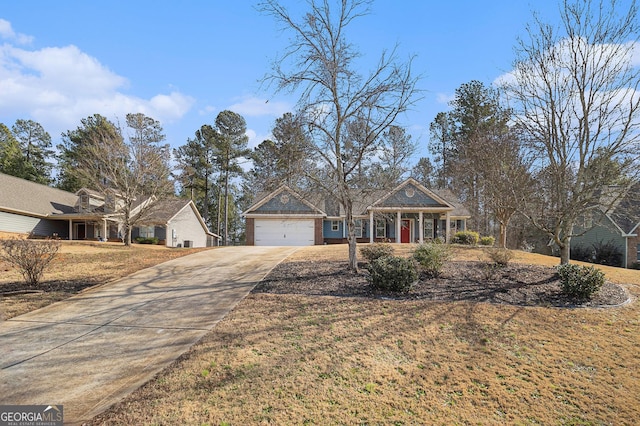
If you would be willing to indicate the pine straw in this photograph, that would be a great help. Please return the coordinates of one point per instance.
(300, 359)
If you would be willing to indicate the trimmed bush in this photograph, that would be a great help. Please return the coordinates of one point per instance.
(469, 238)
(392, 273)
(500, 256)
(432, 257)
(580, 281)
(142, 240)
(487, 241)
(375, 251)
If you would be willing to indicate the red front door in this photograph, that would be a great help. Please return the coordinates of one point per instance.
(405, 231)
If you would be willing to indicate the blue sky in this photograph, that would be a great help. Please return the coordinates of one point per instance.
(184, 62)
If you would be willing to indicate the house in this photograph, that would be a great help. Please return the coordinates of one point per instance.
(175, 222)
(41, 211)
(618, 227)
(408, 213)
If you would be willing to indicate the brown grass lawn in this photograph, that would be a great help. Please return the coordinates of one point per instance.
(293, 359)
(78, 265)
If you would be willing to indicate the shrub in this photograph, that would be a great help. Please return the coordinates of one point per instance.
(29, 256)
(580, 281)
(635, 265)
(607, 254)
(392, 273)
(432, 257)
(500, 256)
(582, 253)
(149, 240)
(469, 238)
(375, 251)
(487, 241)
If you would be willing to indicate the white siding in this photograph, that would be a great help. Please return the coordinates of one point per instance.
(187, 228)
(10, 222)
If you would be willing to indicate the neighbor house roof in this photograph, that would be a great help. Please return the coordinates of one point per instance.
(22, 196)
(626, 212)
(163, 211)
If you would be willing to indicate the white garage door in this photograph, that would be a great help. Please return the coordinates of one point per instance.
(284, 232)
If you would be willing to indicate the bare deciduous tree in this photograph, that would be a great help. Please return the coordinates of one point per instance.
(137, 170)
(577, 94)
(320, 63)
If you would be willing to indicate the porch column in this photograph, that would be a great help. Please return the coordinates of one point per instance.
(371, 227)
(447, 232)
(345, 234)
(421, 227)
(399, 227)
(70, 229)
(104, 230)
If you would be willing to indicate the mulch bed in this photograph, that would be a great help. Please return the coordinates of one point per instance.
(69, 286)
(515, 284)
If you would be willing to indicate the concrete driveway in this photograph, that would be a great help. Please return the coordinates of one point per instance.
(91, 350)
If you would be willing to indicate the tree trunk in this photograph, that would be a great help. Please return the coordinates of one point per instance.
(565, 250)
(503, 235)
(126, 235)
(351, 238)
(226, 208)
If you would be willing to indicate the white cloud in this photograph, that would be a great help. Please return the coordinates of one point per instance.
(257, 107)
(208, 110)
(444, 98)
(58, 86)
(7, 33)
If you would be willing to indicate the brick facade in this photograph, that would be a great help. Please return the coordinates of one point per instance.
(250, 231)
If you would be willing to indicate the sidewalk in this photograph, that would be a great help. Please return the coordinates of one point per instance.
(91, 350)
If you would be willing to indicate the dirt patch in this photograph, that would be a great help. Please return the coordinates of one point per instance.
(515, 284)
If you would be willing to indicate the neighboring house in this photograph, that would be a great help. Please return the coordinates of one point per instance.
(175, 222)
(41, 211)
(620, 228)
(409, 213)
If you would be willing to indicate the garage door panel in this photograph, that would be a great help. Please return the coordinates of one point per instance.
(284, 232)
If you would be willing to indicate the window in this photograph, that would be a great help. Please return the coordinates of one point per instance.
(638, 252)
(146, 232)
(381, 229)
(84, 201)
(428, 228)
(335, 225)
(358, 223)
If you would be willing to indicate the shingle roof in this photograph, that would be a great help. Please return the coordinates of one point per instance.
(626, 213)
(161, 211)
(33, 198)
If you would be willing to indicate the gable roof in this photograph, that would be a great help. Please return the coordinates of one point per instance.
(626, 212)
(23, 196)
(164, 210)
(411, 194)
(283, 201)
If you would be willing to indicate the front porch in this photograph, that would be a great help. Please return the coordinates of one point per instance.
(396, 227)
(413, 227)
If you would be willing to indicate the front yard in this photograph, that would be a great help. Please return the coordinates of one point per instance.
(318, 353)
(77, 266)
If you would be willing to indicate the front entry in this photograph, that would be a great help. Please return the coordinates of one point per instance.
(405, 231)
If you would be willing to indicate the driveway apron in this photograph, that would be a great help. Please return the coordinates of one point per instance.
(89, 351)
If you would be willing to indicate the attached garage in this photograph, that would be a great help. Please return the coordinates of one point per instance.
(283, 218)
(284, 232)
